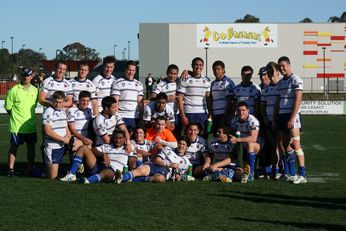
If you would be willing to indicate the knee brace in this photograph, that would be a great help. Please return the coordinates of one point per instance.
(299, 152)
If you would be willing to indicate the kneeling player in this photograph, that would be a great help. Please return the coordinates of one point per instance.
(103, 161)
(168, 161)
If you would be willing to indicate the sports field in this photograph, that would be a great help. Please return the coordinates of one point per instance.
(40, 204)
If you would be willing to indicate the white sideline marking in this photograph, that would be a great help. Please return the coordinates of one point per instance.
(322, 177)
(318, 147)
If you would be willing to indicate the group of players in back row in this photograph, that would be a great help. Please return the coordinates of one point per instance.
(249, 122)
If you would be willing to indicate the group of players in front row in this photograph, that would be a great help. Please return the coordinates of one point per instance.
(159, 156)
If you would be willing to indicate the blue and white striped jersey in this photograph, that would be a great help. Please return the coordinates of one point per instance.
(219, 150)
(269, 97)
(195, 151)
(118, 156)
(146, 146)
(287, 88)
(245, 127)
(248, 94)
(57, 119)
(220, 90)
(82, 85)
(169, 88)
(80, 118)
(103, 126)
(170, 156)
(103, 87)
(150, 113)
(50, 85)
(128, 92)
(194, 91)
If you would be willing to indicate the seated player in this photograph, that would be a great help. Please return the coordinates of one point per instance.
(218, 163)
(165, 164)
(56, 134)
(142, 146)
(159, 108)
(248, 126)
(197, 149)
(102, 161)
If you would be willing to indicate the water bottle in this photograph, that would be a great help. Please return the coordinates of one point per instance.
(209, 125)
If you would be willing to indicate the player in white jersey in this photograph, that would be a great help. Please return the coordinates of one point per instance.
(81, 83)
(247, 92)
(56, 83)
(197, 149)
(129, 93)
(218, 163)
(103, 82)
(56, 134)
(167, 161)
(221, 93)
(248, 126)
(193, 96)
(78, 118)
(159, 108)
(109, 120)
(142, 146)
(290, 88)
(102, 162)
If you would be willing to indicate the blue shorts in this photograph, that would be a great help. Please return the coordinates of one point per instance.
(21, 138)
(53, 156)
(156, 169)
(199, 118)
(283, 119)
(98, 167)
(131, 124)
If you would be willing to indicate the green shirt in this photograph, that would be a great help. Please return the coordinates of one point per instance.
(22, 103)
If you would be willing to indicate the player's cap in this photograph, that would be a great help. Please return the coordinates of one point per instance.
(263, 71)
(26, 72)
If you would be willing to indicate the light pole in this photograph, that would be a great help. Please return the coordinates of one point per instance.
(56, 54)
(124, 52)
(2, 44)
(114, 46)
(128, 50)
(23, 45)
(206, 58)
(324, 71)
(11, 45)
(40, 50)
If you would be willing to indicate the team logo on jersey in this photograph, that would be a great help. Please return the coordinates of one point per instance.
(136, 85)
(88, 85)
(52, 84)
(78, 114)
(73, 85)
(65, 85)
(166, 86)
(190, 81)
(102, 83)
(123, 84)
(203, 81)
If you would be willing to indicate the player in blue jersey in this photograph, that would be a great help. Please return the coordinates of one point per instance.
(290, 88)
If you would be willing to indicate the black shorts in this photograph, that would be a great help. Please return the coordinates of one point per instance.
(21, 138)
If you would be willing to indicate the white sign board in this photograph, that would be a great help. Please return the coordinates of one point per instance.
(322, 107)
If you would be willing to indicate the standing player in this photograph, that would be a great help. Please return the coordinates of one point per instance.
(104, 81)
(54, 120)
(56, 83)
(20, 104)
(248, 126)
(81, 83)
(78, 118)
(290, 88)
(129, 93)
(221, 96)
(247, 92)
(193, 96)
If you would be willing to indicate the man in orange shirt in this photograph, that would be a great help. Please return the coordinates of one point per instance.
(161, 135)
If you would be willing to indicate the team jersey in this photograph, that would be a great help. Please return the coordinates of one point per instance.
(80, 118)
(170, 156)
(194, 91)
(118, 156)
(269, 97)
(220, 91)
(150, 113)
(128, 92)
(105, 126)
(248, 94)
(287, 87)
(219, 150)
(195, 151)
(82, 85)
(169, 88)
(103, 87)
(50, 85)
(245, 127)
(57, 119)
(146, 146)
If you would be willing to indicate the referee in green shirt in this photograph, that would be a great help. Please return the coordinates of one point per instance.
(20, 104)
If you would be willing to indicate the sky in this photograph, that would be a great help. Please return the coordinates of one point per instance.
(51, 25)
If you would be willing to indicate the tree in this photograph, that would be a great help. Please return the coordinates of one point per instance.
(77, 52)
(306, 20)
(248, 19)
(337, 19)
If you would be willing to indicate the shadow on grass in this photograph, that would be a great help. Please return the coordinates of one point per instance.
(299, 225)
(315, 202)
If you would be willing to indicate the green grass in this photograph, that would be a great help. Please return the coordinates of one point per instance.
(40, 204)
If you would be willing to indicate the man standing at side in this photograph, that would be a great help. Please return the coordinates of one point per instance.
(20, 104)
(149, 83)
